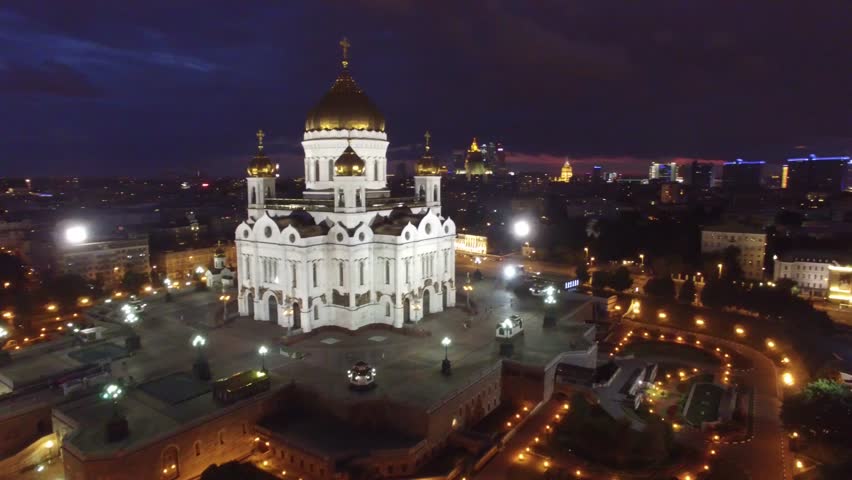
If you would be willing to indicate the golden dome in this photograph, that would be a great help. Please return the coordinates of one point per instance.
(345, 106)
(426, 164)
(349, 164)
(260, 165)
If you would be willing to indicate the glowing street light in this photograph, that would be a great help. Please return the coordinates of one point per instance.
(740, 331)
(198, 341)
(521, 228)
(509, 272)
(199, 269)
(76, 234)
(770, 343)
(642, 260)
(262, 351)
(446, 343)
(788, 379)
(224, 299)
(699, 322)
(719, 266)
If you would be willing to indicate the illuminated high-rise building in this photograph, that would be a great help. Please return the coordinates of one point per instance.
(665, 172)
(566, 173)
(818, 174)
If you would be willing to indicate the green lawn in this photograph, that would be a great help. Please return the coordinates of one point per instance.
(683, 353)
(704, 406)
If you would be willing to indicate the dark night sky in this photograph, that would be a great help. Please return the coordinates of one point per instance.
(99, 88)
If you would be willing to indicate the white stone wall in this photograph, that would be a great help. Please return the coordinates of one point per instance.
(269, 258)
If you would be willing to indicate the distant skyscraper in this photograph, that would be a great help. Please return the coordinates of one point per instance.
(741, 174)
(566, 173)
(597, 174)
(818, 174)
(474, 161)
(700, 174)
(666, 172)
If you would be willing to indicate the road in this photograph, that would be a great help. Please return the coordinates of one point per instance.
(492, 267)
(766, 455)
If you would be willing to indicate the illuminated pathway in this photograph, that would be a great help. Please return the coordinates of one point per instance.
(765, 456)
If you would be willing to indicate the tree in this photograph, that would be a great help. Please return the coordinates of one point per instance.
(600, 279)
(621, 280)
(823, 407)
(687, 291)
(66, 290)
(133, 281)
(661, 287)
(582, 272)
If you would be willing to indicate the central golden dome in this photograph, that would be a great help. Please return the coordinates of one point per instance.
(345, 106)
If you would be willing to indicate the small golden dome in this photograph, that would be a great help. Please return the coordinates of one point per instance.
(426, 165)
(260, 165)
(349, 164)
(345, 106)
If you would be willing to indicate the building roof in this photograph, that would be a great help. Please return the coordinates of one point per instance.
(345, 107)
(734, 228)
(816, 256)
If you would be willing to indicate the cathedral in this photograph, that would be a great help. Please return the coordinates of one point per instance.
(346, 254)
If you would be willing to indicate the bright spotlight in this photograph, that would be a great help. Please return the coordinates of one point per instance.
(76, 234)
(521, 228)
(509, 271)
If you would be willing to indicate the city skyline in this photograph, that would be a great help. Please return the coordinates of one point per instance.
(620, 96)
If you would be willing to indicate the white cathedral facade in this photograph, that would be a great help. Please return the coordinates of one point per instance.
(346, 254)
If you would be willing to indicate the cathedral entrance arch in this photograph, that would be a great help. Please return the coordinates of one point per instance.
(426, 302)
(250, 304)
(297, 316)
(273, 309)
(406, 311)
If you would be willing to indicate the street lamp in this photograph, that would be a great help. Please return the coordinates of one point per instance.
(467, 289)
(224, 299)
(201, 367)
(112, 392)
(719, 266)
(788, 379)
(262, 351)
(642, 260)
(521, 228)
(445, 365)
(76, 234)
(509, 272)
(586, 251)
(199, 269)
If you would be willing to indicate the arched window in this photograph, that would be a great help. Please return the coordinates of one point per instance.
(358, 197)
(435, 193)
(331, 170)
(316, 171)
(387, 272)
(293, 274)
(340, 201)
(376, 170)
(253, 196)
(422, 194)
(361, 273)
(340, 268)
(268, 193)
(387, 309)
(314, 272)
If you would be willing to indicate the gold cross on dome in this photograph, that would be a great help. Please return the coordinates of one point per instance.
(428, 137)
(260, 136)
(344, 44)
